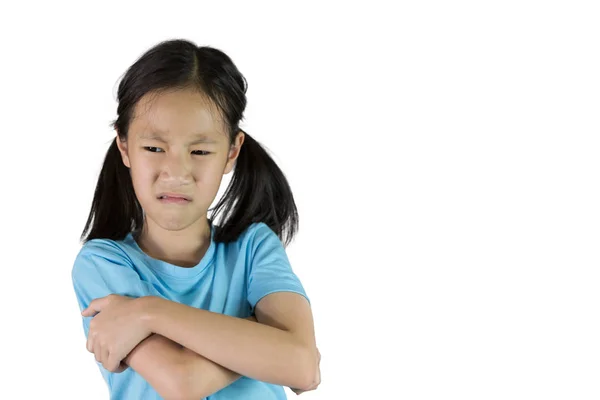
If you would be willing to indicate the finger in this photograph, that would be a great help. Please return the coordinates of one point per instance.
(319, 373)
(122, 367)
(106, 358)
(98, 354)
(114, 360)
(97, 305)
(318, 381)
(88, 312)
(94, 307)
(111, 364)
(89, 345)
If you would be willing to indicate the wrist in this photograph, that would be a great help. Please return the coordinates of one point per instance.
(148, 311)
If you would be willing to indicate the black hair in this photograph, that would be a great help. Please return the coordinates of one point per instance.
(258, 190)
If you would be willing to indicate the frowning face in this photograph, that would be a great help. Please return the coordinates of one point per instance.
(177, 145)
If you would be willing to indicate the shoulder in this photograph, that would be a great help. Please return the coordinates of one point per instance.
(105, 266)
(257, 234)
(98, 251)
(256, 241)
(104, 248)
(261, 231)
(254, 234)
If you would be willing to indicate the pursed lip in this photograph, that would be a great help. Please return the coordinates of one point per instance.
(174, 195)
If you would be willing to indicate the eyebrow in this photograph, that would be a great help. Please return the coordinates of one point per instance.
(200, 138)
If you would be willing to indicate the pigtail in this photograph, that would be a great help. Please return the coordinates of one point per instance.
(258, 192)
(115, 209)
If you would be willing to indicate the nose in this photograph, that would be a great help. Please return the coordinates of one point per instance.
(177, 166)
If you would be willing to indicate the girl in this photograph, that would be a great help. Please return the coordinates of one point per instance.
(175, 306)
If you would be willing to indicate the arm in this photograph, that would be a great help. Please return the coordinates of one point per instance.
(99, 271)
(261, 352)
(160, 362)
(280, 349)
(203, 377)
(176, 372)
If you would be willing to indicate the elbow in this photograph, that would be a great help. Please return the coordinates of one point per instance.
(183, 391)
(177, 395)
(183, 394)
(307, 368)
(184, 387)
(190, 391)
(179, 391)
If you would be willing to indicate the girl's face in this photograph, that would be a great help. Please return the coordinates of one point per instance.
(178, 144)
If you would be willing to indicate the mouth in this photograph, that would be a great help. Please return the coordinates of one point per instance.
(173, 196)
(174, 200)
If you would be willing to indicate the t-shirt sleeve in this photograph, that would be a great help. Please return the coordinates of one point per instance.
(100, 269)
(270, 269)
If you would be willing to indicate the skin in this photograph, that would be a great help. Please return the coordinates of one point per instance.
(178, 234)
(175, 233)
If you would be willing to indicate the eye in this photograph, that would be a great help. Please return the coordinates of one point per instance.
(152, 149)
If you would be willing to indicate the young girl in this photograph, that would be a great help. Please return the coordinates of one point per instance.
(173, 305)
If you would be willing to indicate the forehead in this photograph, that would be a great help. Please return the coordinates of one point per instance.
(180, 114)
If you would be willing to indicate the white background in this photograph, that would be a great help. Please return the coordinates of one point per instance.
(443, 155)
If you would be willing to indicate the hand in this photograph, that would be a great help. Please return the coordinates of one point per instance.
(317, 380)
(115, 329)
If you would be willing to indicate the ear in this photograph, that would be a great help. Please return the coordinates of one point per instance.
(124, 151)
(234, 152)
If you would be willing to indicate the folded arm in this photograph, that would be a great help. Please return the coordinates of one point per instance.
(280, 349)
(176, 372)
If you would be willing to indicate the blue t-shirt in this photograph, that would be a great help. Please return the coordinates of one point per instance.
(230, 279)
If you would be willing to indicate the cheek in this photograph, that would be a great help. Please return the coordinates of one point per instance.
(207, 177)
(208, 180)
(210, 171)
(142, 181)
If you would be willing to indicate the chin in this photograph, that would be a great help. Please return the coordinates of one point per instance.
(177, 223)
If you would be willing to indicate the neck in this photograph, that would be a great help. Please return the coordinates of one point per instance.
(184, 248)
